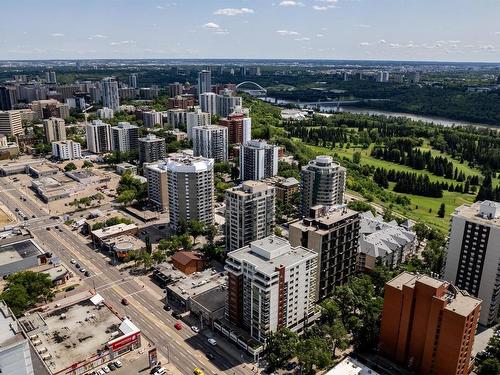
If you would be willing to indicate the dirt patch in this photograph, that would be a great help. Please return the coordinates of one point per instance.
(5, 219)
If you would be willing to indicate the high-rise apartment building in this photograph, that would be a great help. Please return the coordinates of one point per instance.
(66, 150)
(8, 97)
(227, 103)
(204, 82)
(196, 118)
(132, 80)
(151, 119)
(239, 128)
(99, 138)
(176, 117)
(323, 183)
(151, 149)
(210, 141)
(428, 325)
(11, 123)
(250, 213)
(175, 89)
(49, 108)
(156, 174)
(271, 285)
(54, 129)
(50, 77)
(181, 101)
(110, 96)
(105, 113)
(125, 137)
(258, 160)
(208, 102)
(332, 232)
(190, 190)
(473, 255)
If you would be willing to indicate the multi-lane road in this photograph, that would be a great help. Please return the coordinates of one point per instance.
(184, 349)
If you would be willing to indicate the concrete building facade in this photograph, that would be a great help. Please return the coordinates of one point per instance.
(11, 123)
(151, 149)
(473, 256)
(322, 182)
(239, 128)
(125, 137)
(156, 174)
(99, 138)
(210, 141)
(190, 189)
(333, 234)
(250, 213)
(55, 129)
(258, 160)
(110, 96)
(271, 285)
(66, 150)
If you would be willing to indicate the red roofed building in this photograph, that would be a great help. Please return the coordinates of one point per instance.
(188, 262)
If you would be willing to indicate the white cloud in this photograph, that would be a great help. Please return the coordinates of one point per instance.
(287, 32)
(320, 35)
(303, 39)
(291, 3)
(96, 36)
(211, 25)
(364, 44)
(382, 41)
(215, 28)
(233, 11)
(56, 35)
(364, 26)
(497, 32)
(488, 48)
(122, 42)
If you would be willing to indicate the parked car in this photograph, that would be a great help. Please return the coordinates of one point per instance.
(160, 371)
(176, 315)
(195, 329)
(72, 261)
(83, 270)
(87, 273)
(125, 302)
(210, 356)
(112, 366)
(106, 369)
(212, 341)
(167, 308)
(178, 326)
(118, 363)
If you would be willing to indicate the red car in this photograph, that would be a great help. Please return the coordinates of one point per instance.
(178, 326)
(125, 302)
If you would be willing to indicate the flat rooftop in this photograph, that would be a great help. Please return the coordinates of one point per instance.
(9, 329)
(351, 366)
(477, 212)
(72, 333)
(271, 252)
(113, 230)
(196, 283)
(459, 302)
(212, 300)
(17, 251)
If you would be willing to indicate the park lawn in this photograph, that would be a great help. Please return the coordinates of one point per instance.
(418, 210)
(366, 159)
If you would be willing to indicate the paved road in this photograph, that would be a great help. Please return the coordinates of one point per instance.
(185, 349)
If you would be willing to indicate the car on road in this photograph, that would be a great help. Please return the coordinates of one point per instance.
(160, 371)
(125, 302)
(212, 341)
(198, 371)
(33, 216)
(87, 273)
(118, 363)
(210, 356)
(72, 261)
(178, 326)
(77, 265)
(57, 227)
(17, 210)
(48, 228)
(195, 329)
(154, 369)
(167, 308)
(83, 270)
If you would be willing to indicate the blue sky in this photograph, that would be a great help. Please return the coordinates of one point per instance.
(434, 30)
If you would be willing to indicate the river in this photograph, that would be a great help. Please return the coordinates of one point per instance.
(436, 120)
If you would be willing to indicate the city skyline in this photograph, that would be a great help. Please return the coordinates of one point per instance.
(288, 29)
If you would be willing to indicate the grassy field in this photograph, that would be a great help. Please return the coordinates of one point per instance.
(421, 208)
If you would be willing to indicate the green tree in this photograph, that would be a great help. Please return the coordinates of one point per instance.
(159, 257)
(87, 164)
(25, 289)
(490, 366)
(356, 157)
(442, 210)
(210, 232)
(281, 347)
(313, 353)
(196, 228)
(70, 167)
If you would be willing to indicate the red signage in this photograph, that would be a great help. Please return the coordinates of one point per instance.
(126, 340)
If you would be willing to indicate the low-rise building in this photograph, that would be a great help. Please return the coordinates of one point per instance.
(12, 167)
(42, 170)
(75, 337)
(387, 242)
(122, 245)
(99, 236)
(20, 255)
(126, 167)
(351, 366)
(188, 262)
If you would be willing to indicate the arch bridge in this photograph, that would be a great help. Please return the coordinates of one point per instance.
(257, 89)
